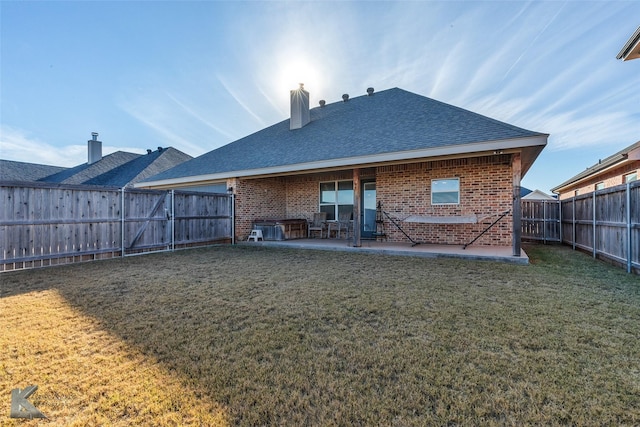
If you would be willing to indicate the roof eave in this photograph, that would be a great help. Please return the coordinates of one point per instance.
(586, 175)
(533, 145)
(631, 49)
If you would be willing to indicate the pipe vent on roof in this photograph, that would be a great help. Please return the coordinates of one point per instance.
(369, 91)
(322, 102)
(345, 97)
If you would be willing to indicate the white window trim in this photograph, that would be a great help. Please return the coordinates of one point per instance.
(336, 204)
(445, 179)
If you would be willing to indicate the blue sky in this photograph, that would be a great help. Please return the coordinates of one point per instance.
(196, 75)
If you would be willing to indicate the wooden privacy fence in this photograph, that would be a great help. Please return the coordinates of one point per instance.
(605, 223)
(48, 224)
(541, 220)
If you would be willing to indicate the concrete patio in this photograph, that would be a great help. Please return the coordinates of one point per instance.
(483, 253)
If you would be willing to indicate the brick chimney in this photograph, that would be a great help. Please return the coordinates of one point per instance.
(94, 149)
(299, 108)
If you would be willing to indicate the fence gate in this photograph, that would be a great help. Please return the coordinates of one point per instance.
(147, 221)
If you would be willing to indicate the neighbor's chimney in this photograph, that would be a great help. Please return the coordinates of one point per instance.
(94, 148)
(299, 108)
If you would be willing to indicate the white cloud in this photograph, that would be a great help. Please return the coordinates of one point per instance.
(19, 146)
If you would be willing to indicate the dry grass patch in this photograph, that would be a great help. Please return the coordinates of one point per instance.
(284, 337)
(86, 375)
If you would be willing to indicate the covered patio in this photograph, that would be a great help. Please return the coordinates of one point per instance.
(477, 253)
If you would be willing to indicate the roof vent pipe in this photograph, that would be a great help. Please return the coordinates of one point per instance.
(345, 97)
(299, 108)
(369, 91)
(322, 102)
(94, 149)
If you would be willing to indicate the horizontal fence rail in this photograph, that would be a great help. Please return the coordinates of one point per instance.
(48, 224)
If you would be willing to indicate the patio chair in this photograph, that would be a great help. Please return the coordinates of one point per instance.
(345, 224)
(319, 223)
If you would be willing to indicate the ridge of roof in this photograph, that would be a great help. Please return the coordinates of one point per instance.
(389, 121)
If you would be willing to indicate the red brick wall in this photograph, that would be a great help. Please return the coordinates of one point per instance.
(485, 188)
(611, 179)
(256, 199)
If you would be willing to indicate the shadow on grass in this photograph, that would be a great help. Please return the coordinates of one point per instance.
(325, 338)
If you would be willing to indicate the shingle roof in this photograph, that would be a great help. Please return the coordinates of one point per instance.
(21, 171)
(389, 121)
(82, 173)
(118, 169)
(140, 168)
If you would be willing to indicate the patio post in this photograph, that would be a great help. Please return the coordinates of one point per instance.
(356, 208)
(516, 166)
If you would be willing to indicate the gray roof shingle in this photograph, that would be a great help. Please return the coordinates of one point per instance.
(20, 171)
(389, 121)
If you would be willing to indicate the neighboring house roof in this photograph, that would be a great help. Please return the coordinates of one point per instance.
(630, 153)
(631, 49)
(140, 168)
(524, 191)
(120, 169)
(21, 171)
(82, 173)
(391, 125)
(538, 195)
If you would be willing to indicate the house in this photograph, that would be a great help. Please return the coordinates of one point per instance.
(119, 169)
(620, 168)
(537, 195)
(443, 172)
(631, 49)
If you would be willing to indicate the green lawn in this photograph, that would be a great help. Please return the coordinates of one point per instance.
(251, 336)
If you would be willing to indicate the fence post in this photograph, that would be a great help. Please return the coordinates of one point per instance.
(594, 224)
(629, 245)
(544, 221)
(233, 218)
(123, 222)
(173, 219)
(573, 224)
(560, 220)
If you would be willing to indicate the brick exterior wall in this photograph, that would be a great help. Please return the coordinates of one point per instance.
(611, 179)
(485, 188)
(403, 190)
